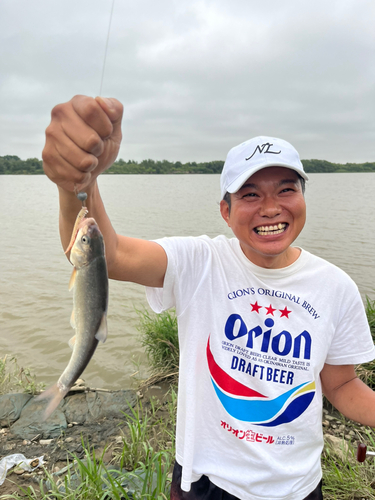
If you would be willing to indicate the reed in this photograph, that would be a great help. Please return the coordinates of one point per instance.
(159, 337)
(15, 378)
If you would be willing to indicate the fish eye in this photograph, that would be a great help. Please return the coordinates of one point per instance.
(85, 239)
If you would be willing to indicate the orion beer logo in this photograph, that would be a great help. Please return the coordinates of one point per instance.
(281, 344)
(264, 148)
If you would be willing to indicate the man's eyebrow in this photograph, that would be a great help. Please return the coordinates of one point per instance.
(281, 183)
(248, 185)
(288, 181)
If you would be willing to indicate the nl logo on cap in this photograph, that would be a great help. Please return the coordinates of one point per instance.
(264, 148)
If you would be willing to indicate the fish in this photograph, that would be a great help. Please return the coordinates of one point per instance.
(89, 282)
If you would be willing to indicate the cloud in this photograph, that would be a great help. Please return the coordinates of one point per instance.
(195, 77)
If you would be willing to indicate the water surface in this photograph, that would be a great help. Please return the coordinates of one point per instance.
(34, 273)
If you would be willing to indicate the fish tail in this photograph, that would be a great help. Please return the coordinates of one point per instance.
(55, 395)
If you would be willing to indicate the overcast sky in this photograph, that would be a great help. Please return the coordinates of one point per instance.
(196, 77)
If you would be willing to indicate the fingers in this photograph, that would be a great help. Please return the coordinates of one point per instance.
(82, 140)
(66, 164)
(92, 115)
(114, 109)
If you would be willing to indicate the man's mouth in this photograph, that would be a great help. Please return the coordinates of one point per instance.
(270, 230)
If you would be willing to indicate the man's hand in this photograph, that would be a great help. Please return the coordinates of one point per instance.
(82, 140)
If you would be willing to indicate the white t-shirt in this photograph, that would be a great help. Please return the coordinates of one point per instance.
(252, 344)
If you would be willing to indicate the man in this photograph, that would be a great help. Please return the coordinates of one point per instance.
(264, 327)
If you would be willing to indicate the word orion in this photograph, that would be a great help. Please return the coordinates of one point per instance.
(281, 344)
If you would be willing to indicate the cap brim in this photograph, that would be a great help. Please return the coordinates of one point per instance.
(236, 184)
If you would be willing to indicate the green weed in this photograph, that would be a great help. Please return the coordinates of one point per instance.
(159, 336)
(366, 371)
(148, 428)
(136, 443)
(90, 479)
(370, 312)
(14, 378)
(346, 479)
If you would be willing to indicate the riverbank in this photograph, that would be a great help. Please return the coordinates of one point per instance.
(117, 435)
(86, 453)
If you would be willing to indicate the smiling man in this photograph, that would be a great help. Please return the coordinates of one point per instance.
(264, 327)
(266, 211)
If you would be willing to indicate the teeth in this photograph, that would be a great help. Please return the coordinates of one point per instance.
(276, 229)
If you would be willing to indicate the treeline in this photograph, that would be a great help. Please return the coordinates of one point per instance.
(14, 165)
(323, 166)
(165, 167)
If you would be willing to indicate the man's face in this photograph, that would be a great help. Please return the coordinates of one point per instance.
(267, 214)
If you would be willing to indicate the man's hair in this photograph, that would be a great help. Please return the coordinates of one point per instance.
(301, 180)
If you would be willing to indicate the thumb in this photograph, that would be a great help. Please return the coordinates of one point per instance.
(114, 109)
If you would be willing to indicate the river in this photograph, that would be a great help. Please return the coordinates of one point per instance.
(35, 304)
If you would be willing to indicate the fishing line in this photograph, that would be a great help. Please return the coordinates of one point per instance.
(82, 196)
(106, 47)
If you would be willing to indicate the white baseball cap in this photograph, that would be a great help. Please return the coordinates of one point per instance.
(253, 155)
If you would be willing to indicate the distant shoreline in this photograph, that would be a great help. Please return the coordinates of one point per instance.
(13, 165)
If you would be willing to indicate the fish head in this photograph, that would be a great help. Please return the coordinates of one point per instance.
(88, 244)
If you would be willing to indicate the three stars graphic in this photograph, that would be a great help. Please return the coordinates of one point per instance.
(270, 310)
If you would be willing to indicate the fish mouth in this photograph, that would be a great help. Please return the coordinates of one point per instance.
(93, 230)
(89, 226)
(86, 223)
(271, 229)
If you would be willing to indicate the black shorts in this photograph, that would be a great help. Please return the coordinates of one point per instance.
(203, 489)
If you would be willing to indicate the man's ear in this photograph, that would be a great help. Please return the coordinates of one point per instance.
(224, 210)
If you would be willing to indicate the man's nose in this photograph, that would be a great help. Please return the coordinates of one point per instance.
(270, 207)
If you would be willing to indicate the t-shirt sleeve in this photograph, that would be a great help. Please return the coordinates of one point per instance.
(161, 299)
(352, 342)
(187, 259)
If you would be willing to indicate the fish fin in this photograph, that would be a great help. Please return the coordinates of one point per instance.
(102, 332)
(72, 278)
(55, 395)
(72, 320)
(72, 342)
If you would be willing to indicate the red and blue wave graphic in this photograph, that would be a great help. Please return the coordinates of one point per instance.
(248, 405)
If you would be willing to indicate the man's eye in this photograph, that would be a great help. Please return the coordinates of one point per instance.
(250, 195)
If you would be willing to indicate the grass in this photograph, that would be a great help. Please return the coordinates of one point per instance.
(159, 336)
(366, 371)
(346, 479)
(370, 312)
(140, 469)
(89, 478)
(14, 378)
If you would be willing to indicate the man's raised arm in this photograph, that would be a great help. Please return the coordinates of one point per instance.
(82, 141)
